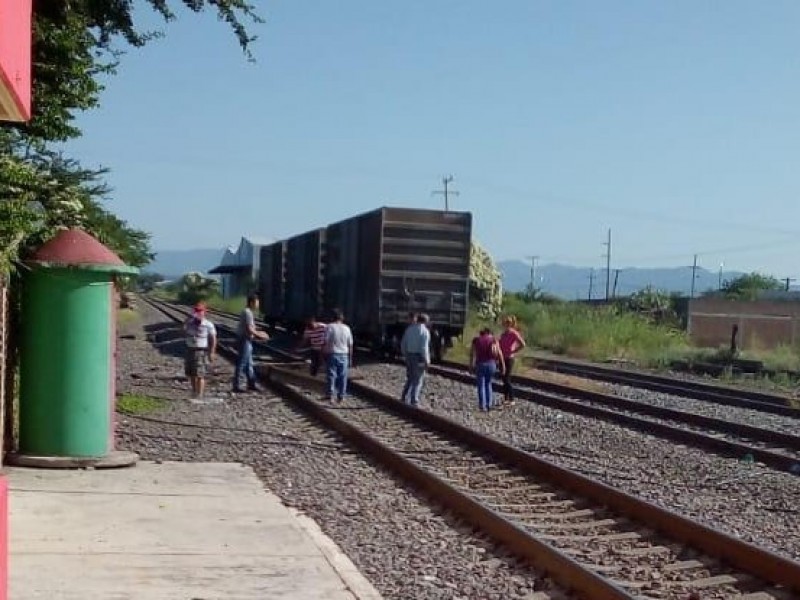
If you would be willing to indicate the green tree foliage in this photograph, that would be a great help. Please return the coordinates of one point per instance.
(749, 286)
(657, 305)
(147, 282)
(75, 44)
(194, 287)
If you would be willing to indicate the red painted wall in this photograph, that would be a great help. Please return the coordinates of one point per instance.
(3, 538)
(15, 52)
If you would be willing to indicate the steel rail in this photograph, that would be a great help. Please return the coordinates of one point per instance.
(725, 447)
(719, 394)
(749, 558)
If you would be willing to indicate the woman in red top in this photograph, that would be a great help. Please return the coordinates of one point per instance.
(484, 358)
(511, 342)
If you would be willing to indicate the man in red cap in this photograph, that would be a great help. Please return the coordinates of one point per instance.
(201, 344)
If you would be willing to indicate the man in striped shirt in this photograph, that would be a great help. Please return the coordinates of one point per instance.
(314, 337)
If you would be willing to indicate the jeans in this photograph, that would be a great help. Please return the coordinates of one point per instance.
(415, 375)
(244, 365)
(316, 361)
(508, 386)
(337, 375)
(485, 371)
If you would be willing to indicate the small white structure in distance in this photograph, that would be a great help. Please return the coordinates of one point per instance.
(239, 267)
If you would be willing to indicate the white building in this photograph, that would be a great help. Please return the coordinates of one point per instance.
(239, 266)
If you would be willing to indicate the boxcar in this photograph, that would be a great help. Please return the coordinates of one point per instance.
(384, 264)
(271, 280)
(305, 271)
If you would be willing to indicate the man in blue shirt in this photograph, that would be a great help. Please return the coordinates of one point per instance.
(415, 347)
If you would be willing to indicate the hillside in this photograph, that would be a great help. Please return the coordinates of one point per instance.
(565, 281)
(174, 263)
(572, 283)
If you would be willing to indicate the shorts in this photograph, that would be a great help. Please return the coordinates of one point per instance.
(195, 362)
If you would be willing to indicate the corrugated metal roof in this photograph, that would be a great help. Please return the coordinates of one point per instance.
(257, 240)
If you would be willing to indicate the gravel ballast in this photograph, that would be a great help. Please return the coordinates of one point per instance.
(403, 546)
(745, 416)
(747, 500)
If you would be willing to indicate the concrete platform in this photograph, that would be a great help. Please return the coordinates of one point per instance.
(171, 531)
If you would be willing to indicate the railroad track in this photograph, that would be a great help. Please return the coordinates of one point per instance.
(775, 449)
(591, 538)
(719, 394)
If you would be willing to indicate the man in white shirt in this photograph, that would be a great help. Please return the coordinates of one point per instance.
(339, 353)
(201, 345)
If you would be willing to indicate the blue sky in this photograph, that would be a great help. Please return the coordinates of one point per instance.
(673, 123)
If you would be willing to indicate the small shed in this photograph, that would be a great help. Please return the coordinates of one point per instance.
(239, 267)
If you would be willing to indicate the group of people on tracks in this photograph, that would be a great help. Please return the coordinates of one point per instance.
(331, 345)
(489, 356)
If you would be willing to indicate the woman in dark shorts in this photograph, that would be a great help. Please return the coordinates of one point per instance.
(511, 342)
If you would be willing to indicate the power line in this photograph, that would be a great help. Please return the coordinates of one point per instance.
(446, 192)
(630, 213)
(677, 256)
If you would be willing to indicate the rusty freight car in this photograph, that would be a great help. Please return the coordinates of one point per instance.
(377, 267)
(305, 272)
(383, 264)
(271, 282)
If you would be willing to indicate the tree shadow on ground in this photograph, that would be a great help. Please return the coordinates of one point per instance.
(167, 338)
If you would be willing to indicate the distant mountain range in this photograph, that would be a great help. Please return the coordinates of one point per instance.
(564, 281)
(573, 283)
(174, 263)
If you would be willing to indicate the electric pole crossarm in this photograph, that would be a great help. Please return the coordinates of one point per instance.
(446, 192)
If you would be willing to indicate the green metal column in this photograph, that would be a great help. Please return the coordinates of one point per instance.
(65, 407)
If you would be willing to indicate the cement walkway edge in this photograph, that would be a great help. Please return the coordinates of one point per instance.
(168, 531)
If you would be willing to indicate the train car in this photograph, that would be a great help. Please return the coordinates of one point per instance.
(305, 276)
(384, 264)
(271, 282)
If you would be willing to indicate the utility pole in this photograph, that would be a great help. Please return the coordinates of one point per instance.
(591, 282)
(694, 275)
(719, 284)
(616, 278)
(607, 256)
(788, 280)
(446, 192)
(533, 260)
